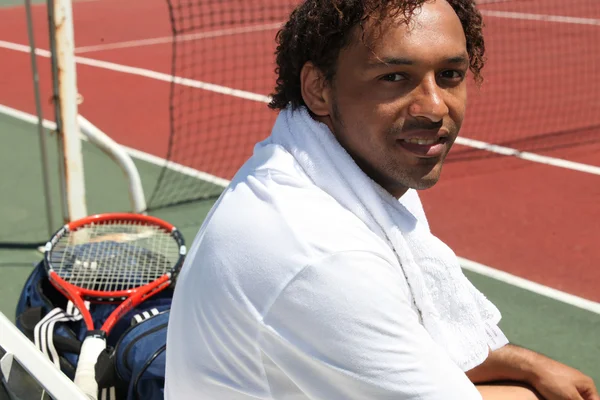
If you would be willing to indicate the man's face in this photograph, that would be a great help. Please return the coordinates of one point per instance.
(397, 106)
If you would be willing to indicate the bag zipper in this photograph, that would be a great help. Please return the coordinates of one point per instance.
(129, 346)
(147, 364)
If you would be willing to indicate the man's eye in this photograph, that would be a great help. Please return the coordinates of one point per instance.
(392, 77)
(452, 74)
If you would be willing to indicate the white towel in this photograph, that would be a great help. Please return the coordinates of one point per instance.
(456, 315)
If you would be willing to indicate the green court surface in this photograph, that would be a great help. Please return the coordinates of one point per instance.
(561, 331)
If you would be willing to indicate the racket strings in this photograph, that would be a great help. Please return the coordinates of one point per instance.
(114, 256)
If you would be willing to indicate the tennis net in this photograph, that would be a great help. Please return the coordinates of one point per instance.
(540, 89)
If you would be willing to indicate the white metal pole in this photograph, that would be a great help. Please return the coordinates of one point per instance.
(41, 130)
(120, 156)
(66, 98)
(58, 385)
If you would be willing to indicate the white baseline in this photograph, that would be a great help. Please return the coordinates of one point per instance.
(276, 25)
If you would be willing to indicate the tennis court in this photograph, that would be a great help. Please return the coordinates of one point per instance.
(532, 220)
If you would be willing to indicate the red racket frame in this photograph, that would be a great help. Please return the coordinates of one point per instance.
(131, 297)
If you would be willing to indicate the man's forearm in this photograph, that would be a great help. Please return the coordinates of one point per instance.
(509, 363)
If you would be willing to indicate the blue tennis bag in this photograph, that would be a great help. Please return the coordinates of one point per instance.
(141, 358)
(133, 364)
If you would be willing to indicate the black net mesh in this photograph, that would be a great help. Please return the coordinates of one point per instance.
(540, 92)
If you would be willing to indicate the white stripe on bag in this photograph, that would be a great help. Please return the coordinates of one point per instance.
(39, 332)
(44, 329)
(144, 315)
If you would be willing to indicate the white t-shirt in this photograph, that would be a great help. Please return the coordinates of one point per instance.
(287, 295)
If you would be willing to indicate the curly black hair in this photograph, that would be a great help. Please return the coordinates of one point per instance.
(318, 30)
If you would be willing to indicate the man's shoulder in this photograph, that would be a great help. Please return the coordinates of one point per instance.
(271, 200)
(269, 224)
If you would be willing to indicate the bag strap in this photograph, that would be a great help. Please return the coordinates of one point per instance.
(44, 338)
(43, 333)
(109, 393)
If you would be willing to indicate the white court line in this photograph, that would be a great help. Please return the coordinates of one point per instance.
(160, 76)
(140, 155)
(530, 286)
(525, 155)
(541, 17)
(276, 25)
(181, 38)
(466, 264)
(41, 4)
(537, 158)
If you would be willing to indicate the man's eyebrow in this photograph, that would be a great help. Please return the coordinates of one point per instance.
(461, 59)
(387, 61)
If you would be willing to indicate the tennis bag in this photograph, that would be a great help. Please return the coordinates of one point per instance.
(140, 357)
(133, 364)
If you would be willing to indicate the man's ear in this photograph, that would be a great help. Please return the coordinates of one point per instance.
(314, 89)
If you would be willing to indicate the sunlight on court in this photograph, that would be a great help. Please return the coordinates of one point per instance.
(188, 121)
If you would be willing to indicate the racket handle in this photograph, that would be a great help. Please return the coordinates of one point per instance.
(85, 374)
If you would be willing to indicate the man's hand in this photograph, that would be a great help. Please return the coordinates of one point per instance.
(553, 380)
(556, 381)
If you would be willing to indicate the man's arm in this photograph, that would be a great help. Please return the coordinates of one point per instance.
(509, 363)
(550, 378)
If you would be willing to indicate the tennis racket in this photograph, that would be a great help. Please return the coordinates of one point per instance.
(111, 258)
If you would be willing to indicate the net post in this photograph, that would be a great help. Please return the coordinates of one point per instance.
(62, 48)
(40, 125)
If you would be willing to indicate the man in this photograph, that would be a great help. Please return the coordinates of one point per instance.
(315, 276)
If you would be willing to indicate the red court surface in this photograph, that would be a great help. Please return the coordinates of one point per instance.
(529, 219)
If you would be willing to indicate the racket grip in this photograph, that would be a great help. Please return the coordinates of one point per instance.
(85, 374)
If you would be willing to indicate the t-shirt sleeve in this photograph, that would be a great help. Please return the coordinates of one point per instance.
(345, 329)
